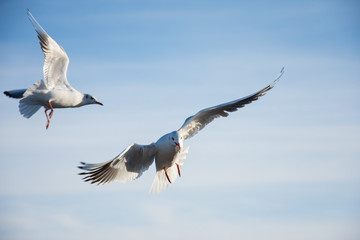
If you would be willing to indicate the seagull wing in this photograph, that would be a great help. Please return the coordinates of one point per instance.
(194, 124)
(128, 165)
(56, 60)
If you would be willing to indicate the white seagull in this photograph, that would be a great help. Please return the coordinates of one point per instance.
(55, 91)
(168, 151)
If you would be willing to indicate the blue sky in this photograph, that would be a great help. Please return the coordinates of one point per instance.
(284, 167)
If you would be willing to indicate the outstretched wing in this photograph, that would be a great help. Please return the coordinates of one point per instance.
(128, 165)
(56, 60)
(194, 124)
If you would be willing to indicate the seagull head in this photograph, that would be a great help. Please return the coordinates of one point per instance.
(175, 140)
(88, 99)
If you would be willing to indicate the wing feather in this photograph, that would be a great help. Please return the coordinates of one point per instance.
(18, 93)
(56, 59)
(195, 123)
(128, 165)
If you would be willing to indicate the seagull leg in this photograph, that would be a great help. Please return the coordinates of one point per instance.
(178, 168)
(167, 176)
(48, 121)
(52, 110)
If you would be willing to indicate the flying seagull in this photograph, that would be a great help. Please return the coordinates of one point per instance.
(168, 151)
(54, 91)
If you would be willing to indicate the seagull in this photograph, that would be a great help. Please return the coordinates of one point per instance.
(54, 91)
(168, 151)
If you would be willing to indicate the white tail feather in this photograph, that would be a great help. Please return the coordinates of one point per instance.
(26, 108)
(28, 105)
(161, 182)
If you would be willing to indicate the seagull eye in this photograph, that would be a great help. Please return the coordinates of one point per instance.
(172, 138)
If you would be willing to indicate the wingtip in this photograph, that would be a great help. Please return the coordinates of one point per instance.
(278, 77)
(31, 17)
(28, 12)
(82, 166)
(281, 72)
(36, 25)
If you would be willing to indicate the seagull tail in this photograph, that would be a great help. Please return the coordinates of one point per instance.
(161, 182)
(18, 93)
(27, 107)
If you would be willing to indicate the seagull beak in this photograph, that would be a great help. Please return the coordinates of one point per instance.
(99, 103)
(178, 145)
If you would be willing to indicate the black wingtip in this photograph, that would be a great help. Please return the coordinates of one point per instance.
(82, 168)
(272, 84)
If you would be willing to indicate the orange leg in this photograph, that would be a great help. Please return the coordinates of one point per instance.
(50, 115)
(48, 121)
(167, 176)
(178, 168)
(52, 110)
